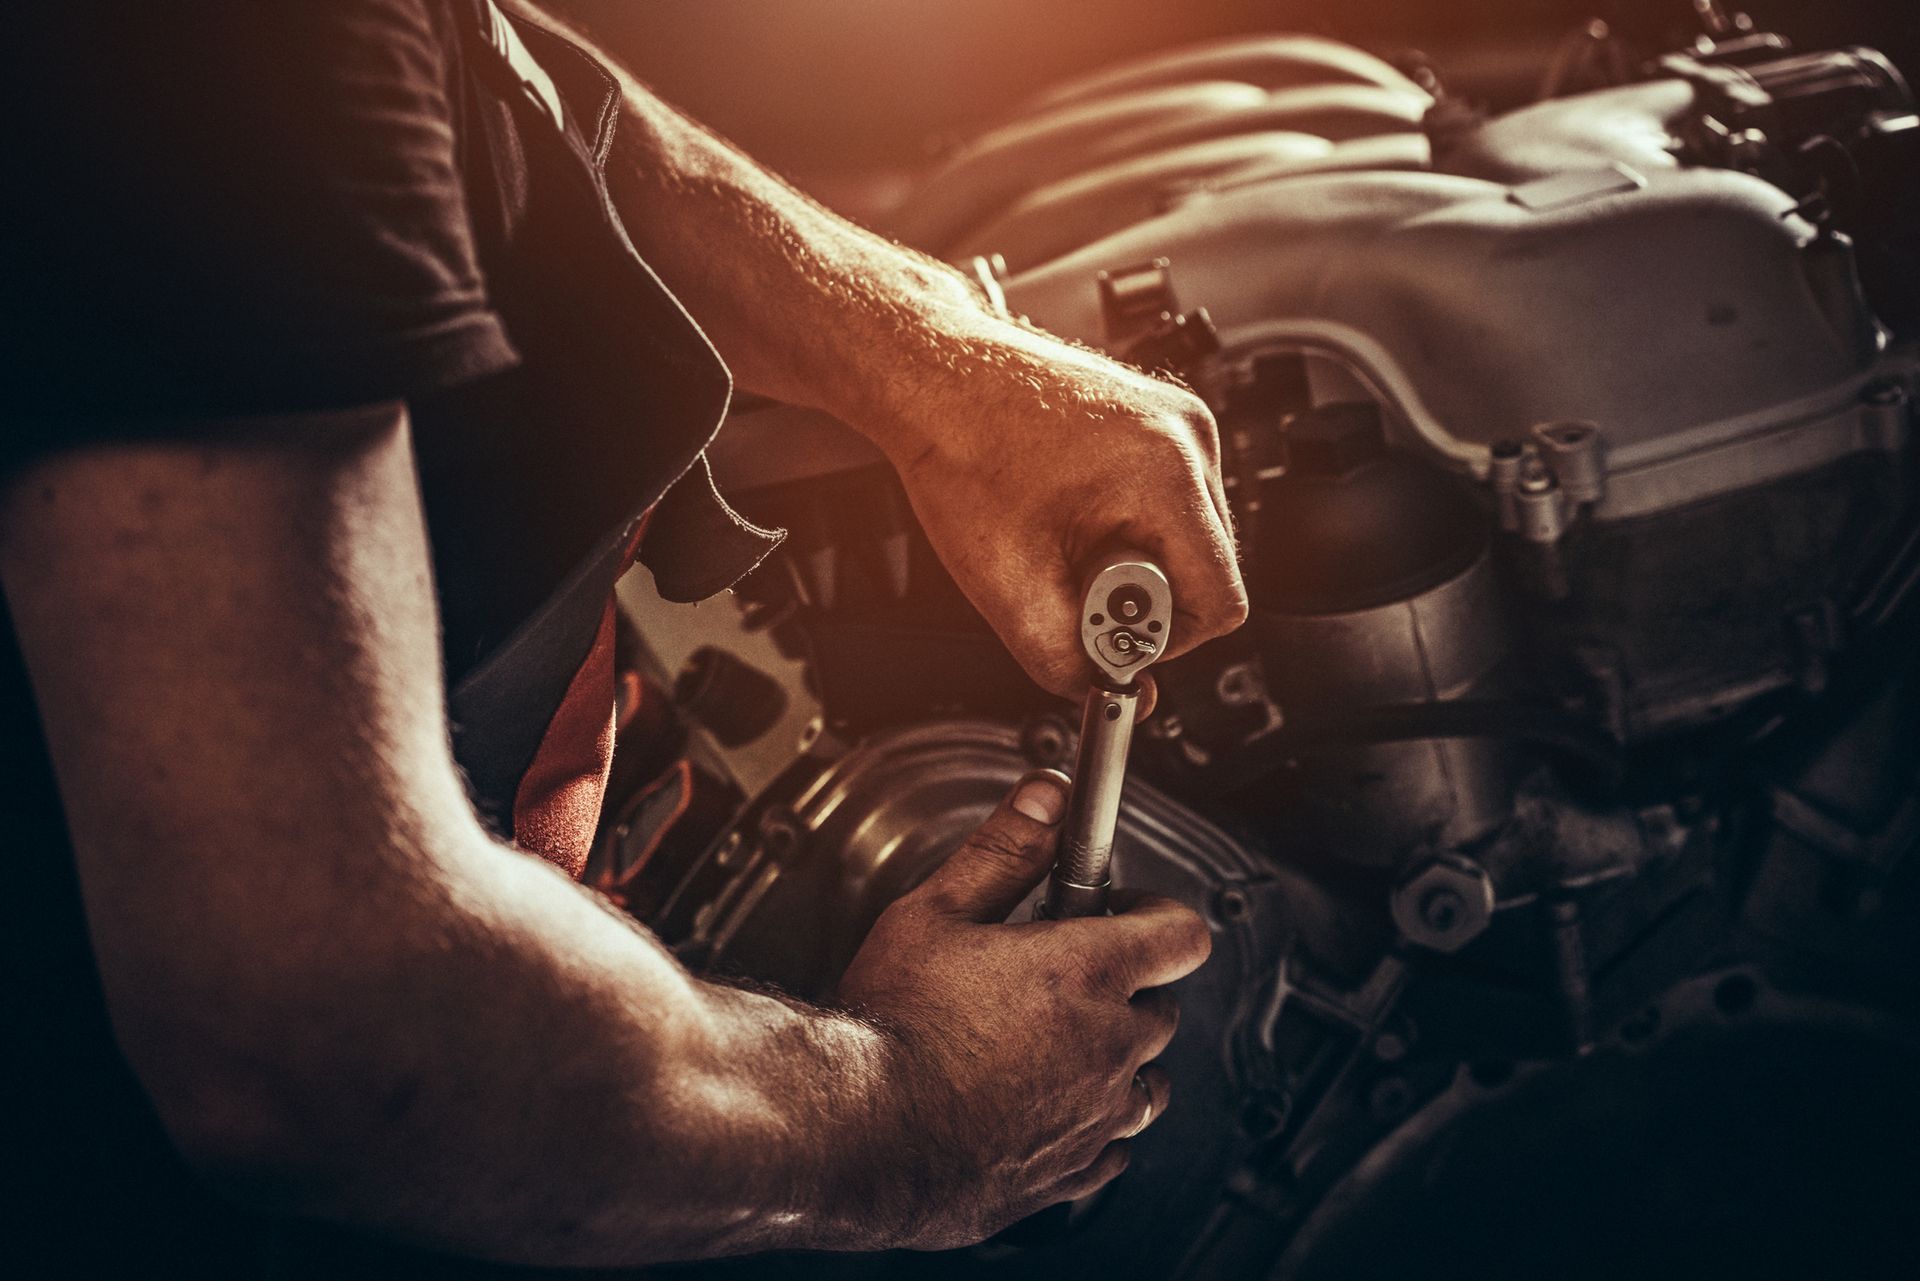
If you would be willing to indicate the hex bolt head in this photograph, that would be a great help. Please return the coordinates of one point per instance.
(1044, 741)
(1444, 905)
(1441, 910)
(780, 834)
(1231, 906)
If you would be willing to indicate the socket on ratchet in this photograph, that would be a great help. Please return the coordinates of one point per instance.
(1126, 620)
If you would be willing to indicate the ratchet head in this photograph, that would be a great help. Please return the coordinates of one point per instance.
(1126, 617)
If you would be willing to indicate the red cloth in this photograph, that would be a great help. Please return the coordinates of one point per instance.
(557, 805)
(558, 802)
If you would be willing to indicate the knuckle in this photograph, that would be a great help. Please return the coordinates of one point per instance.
(1060, 670)
(1052, 663)
(1186, 403)
(1088, 971)
(1174, 445)
(996, 842)
(1186, 406)
(1204, 430)
(1061, 970)
(1029, 635)
(1117, 1054)
(928, 900)
(1104, 973)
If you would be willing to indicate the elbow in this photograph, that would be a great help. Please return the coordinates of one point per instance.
(266, 1137)
(245, 1153)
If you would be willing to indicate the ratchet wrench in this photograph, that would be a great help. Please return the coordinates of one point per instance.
(1126, 620)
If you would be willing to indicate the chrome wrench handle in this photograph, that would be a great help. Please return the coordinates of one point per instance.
(1126, 620)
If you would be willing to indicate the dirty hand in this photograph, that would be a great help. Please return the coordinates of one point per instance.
(1019, 1048)
(1025, 456)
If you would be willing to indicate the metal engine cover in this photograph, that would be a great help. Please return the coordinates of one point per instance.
(1716, 338)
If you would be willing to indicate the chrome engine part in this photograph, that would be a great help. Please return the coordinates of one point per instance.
(1555, 813)
(1451, 293)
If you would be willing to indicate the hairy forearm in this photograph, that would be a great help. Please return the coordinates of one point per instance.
(799, 300)
(805, 306)
(1022, 454)
(519, 1074)
(343, 998)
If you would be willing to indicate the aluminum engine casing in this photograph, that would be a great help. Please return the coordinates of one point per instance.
(1579, 260)
(1576, 269)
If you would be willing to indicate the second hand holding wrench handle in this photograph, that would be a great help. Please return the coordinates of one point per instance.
(1126, 620)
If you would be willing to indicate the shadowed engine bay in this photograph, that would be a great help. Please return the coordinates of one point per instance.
(1553, 813)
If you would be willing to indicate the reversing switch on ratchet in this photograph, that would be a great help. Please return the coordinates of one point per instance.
(1126, 620)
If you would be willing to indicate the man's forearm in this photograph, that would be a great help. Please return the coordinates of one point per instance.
(794, 296)
(805, 306)
(515, 1072)
(541, 1083)
(1067, 449)
(340, 994)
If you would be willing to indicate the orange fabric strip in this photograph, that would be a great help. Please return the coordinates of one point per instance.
(557, 805)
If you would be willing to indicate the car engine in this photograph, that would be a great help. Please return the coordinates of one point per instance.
(1554, 812)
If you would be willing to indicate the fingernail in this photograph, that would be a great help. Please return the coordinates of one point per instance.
(1042, 798)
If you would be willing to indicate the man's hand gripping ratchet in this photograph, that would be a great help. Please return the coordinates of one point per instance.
(1024, 1050)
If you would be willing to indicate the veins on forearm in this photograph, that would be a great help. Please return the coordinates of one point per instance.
(807, 307)
(824, 1087)
(795, 295)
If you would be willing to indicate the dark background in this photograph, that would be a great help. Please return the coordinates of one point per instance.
(819, 87)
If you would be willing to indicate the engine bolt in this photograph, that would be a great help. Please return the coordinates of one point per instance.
(1445, 905)
(1231, 906)
(780, 834)
(1044, 741)
(1441, 910)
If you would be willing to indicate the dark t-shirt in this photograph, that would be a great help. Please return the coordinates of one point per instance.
(223, 208)
(218, 209)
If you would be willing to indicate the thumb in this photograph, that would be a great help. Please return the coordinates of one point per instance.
(1006, 856)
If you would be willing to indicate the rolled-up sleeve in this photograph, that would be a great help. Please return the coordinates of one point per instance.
(224, 208)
